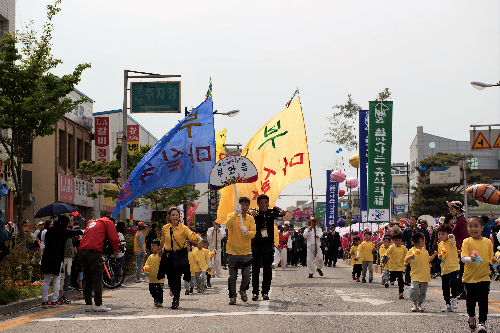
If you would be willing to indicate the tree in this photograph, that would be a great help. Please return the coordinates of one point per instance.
(160, 198)
(32, 100)
(431, 199)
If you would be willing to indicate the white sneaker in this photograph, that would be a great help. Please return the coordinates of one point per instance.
(454, 303)
(89, 308)
(481, 328)
(140, 280)
(101, 308)
(414, 308)
(447, 308)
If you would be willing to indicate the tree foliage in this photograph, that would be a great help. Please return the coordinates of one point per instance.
(430, 199)
(32, 99)
(163, 198)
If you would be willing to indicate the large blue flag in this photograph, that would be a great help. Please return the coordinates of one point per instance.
(185, 155)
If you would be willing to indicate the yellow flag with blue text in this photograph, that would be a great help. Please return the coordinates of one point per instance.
(280, 154)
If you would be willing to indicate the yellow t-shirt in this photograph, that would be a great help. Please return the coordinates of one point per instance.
(397, 255)
(354, 249)
(382, 252)
(366, 251)
(473, 271)
(193, 261)
(181, 233)
(203, 256)
(153, 263)
(420, 270)
(238, 243)
(449, 254)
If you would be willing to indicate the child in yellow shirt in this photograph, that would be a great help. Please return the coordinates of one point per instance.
(356, 262)
(397, 253)
(419, 260)
(209, 270)
(366, 250)
(384, 264)
(204, 256)
(152, 265)
(450, 266)
(194, 266)
(477, 253)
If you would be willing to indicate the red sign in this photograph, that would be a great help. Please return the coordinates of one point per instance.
(297, 214)
(132, 132)
(101, 140)
(66, 189)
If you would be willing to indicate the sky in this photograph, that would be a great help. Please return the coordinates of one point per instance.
(258, 52)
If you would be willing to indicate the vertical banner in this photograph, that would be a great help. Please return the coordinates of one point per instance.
(101, 141)
(363, 162)
(379, 161)
(132, 138)
(332, 198)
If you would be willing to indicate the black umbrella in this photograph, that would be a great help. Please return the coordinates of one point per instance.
(55, 209)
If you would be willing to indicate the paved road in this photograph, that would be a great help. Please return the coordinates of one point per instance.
(332, 303)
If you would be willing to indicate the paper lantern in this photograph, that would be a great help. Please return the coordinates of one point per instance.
(341, 193)
(354, 220)
(351, 182)
(354, 161)
(341, 222)
(337, 176)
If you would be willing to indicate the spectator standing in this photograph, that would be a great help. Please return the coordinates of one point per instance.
(69, 253)
(214, 237)
(139, 250)
(91, 260)
(336, 246)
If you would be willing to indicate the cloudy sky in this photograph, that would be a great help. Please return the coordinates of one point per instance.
(259, 52)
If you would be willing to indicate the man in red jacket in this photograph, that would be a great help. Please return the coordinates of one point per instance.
(460, 232)
(90, 252)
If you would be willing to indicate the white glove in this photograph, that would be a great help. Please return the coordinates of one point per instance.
(238, 209)
(340, 248)
(244, 230)
(326, 249)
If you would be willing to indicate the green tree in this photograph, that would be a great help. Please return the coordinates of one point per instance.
(32, 99)
(431, 199)
(159, 199)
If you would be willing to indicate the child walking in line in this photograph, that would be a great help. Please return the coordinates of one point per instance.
(420, 273)
(194, 265)
(209, 269)
(450, 266)
(397, 253)
(366, 250)
(356, 261)
(152, 265)
(204, 256)
(385, 264)
(477, 253)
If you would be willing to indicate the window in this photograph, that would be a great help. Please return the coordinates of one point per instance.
(61, 146)
(87, 152)
(79, 152)
(473, 163)
(70, 158)
(1, 28)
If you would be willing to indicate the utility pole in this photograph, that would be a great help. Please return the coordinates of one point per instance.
(143, 75)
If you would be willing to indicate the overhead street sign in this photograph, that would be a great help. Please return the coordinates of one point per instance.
(155, 97)
(485, 139)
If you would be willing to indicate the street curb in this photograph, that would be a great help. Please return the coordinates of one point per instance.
(29, 303)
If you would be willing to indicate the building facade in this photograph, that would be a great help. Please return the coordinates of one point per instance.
(7, 16)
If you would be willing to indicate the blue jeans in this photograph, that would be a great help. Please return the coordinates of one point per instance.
(139, 260)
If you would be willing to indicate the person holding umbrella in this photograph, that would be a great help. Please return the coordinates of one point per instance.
(53, 256)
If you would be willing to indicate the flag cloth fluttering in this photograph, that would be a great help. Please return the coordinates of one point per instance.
(185, 155)
(209, 92)
(279, 152)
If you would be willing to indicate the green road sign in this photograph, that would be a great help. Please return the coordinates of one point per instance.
(152, 97)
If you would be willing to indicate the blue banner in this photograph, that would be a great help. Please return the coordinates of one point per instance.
(332, 201)
(363, 162)
(185, 155)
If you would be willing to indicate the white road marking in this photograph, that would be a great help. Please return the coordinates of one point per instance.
(347, 297)
(258, 313)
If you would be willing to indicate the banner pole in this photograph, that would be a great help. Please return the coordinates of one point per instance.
(237, 202)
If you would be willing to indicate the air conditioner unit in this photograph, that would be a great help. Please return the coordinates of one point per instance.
(28, 197)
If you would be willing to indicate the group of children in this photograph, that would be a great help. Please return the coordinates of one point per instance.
(476, 254)
(198, 256)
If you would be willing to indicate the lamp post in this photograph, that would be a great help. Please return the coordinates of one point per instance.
(481, 86)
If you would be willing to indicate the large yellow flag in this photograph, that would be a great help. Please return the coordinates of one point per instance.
(279, 152)
(220, 144)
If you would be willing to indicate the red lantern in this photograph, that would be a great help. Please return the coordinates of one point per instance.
(341, 193)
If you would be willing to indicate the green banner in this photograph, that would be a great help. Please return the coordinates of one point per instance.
(379, 162)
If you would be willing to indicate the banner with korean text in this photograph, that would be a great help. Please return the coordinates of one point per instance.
(363, 161)
(102, 145)
(132, 138)
(379, 161)
(280, 154)
(332, 200)
(185, 155)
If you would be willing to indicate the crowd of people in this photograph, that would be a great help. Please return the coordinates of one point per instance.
(463, 252)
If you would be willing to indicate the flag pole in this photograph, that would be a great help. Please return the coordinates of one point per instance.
(237, 202)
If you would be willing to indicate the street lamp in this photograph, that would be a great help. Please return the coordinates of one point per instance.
(481, 86)
(229, 114)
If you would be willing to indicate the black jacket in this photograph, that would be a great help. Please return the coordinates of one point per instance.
(264, 220)
(53, 255)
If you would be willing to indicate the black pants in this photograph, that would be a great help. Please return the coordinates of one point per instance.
(303, 256)
(265, 258)
(91, 261)
(335, 255)
(407, 273)
(328, 257)
(393, 275)
(461, 286)
(356, 270)
(156, 290)
(436, 265)
(449, 282)
(478, 292)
